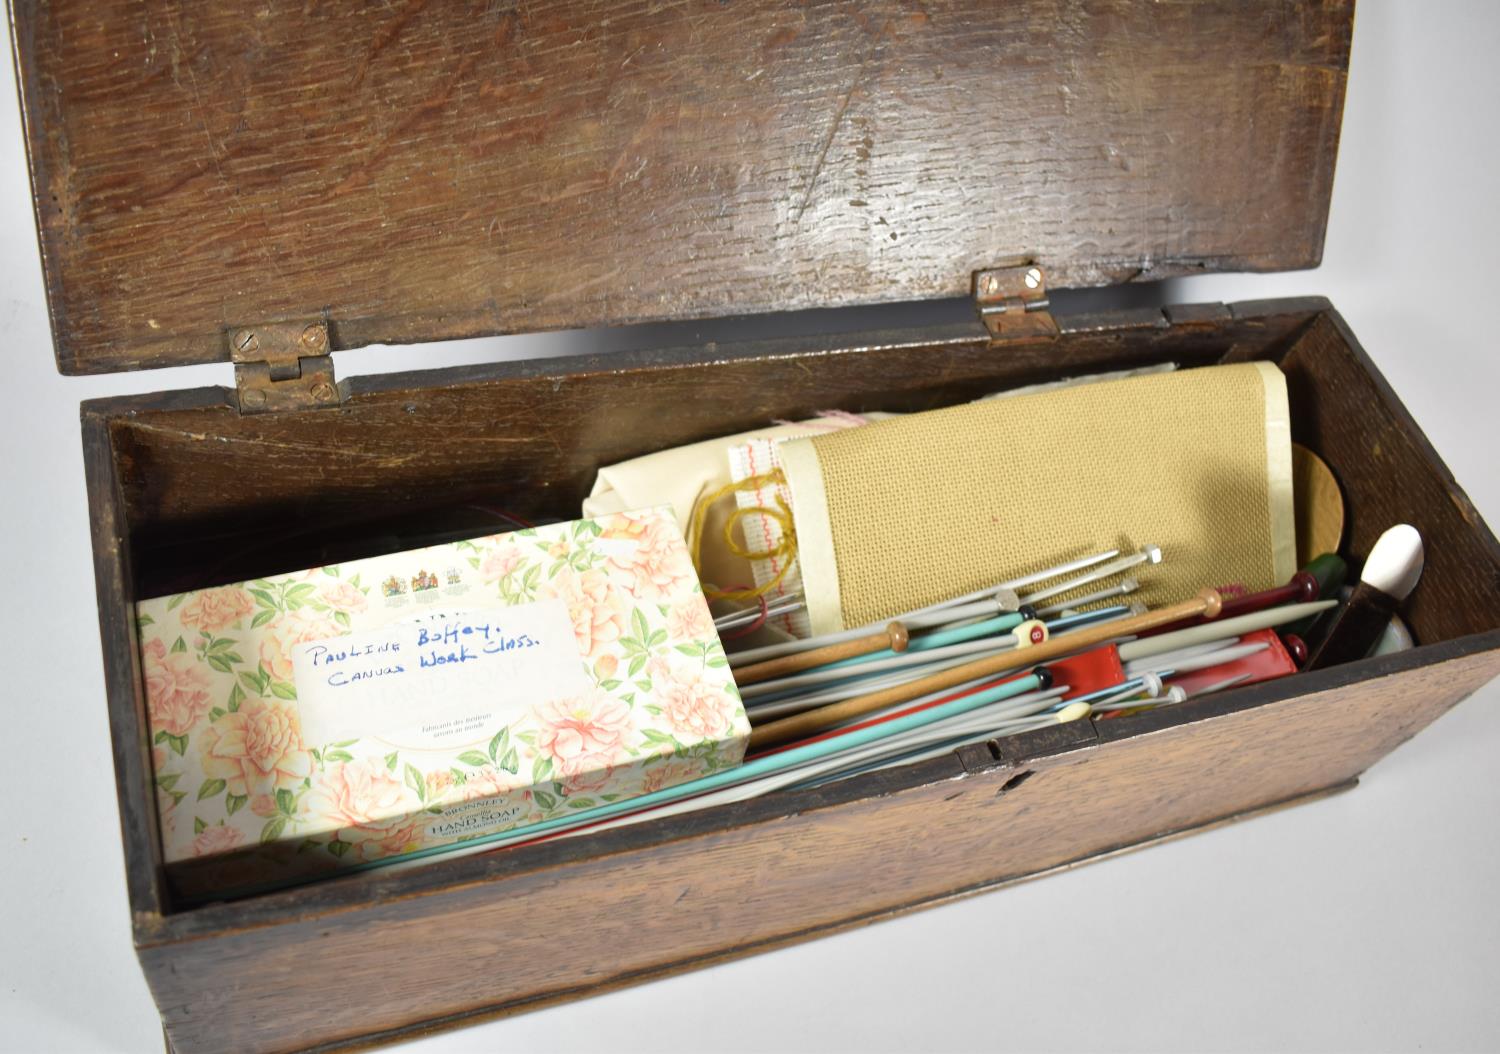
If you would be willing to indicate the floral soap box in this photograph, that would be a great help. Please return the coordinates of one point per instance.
(346, 715)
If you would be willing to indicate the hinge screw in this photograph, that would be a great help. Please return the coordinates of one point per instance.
(253, 397)
(324, 392)
(245, 341)
(1033, 278)
(991, 285)
(315, 337)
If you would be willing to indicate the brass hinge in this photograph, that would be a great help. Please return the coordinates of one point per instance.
(1012, 302)
(283, 366)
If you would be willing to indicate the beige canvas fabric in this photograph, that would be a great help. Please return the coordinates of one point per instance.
(910, 511)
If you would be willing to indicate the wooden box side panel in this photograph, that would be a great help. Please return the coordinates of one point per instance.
(214, 496)
(562, 932)
(454, 169)
(1389, 473)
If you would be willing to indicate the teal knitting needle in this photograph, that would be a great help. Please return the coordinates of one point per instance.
(1040, 679)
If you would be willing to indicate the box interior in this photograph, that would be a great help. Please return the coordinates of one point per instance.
(195, 494)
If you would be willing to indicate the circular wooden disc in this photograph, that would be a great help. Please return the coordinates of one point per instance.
(1318, 503)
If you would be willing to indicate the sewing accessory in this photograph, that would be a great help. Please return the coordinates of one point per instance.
(812, 721)
(894, 638)
(1149, 554)
(990, 600)
(1390, 574)
(1124, 587)
(1208, 631)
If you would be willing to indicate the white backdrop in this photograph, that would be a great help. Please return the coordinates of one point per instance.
(1367, 920)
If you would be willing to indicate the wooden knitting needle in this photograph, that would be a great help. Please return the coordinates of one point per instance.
(894, 637)
(1207, 603)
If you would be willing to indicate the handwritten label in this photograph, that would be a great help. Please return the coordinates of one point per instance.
(439, 681)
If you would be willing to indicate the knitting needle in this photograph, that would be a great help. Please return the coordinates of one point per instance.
(1040, 680)
(1126, 585)
(1175, 694)
(782, 606)
(1204, 661)
(1301, 589)
(1135, 666)
(894, 637)
(1148, 554)
(844, 671)
(1063, 716)
(1024, 580)
(763, 709)
(797, 775)
(838, 672)
(812, 721)
(1233, 627)
(766, 709)
(999, 604)
(932, 614)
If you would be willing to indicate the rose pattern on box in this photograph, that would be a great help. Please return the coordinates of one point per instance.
(235, 777)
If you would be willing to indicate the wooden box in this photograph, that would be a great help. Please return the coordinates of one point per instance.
(265, 183)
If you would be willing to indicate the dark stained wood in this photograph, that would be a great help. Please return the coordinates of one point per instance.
(275, 494)
(654, 908)
(124, 688)
(452, 169)
(1347, 412)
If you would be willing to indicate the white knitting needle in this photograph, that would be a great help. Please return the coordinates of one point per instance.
(1151, 662)
(1126, 585)
(1149, 554)
(780, 606)
(918, 618)
(1222, 627)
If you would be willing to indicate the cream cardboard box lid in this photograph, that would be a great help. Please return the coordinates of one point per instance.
(342, 715)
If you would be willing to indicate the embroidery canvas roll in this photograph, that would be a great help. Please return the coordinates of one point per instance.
(907, 512)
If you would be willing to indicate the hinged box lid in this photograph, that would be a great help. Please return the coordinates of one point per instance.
(420, 172)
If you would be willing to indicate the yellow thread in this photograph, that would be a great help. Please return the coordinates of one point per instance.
(786, 548)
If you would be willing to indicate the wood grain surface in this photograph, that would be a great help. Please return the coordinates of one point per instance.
(433, 170)
(670, 903)
(211, 495)
(731, 880)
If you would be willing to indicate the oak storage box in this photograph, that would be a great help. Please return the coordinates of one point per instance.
(264, 183)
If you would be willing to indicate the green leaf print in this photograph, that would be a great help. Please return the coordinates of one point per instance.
(273, 828)
(475, 758)
(510, 763)
(208, 788)
(233, 803)
(498, 743)
(415, 781)
(286, 802)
